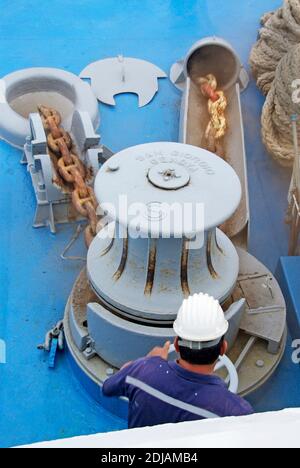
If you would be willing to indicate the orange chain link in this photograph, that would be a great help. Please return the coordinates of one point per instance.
(217, 104)
(71, 169)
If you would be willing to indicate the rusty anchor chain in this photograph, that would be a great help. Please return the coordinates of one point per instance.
(71, 169)
(217, 105)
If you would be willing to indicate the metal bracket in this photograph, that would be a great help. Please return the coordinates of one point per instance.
(177, 75)
(53, 203)
(261, 299)
(244, 79)
(54, 341)
(90, 352)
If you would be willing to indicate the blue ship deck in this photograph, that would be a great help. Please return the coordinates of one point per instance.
(37, 404)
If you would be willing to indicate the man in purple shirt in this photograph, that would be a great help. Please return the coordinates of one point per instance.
(162, 391)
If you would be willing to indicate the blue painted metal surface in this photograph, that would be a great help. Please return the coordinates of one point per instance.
(36, 404)
(52, 354)
(288, 274)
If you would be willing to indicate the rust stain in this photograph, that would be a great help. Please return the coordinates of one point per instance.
(217, 244)
(151, 267)
(109, 247)
(184, 268)
(212, 271)
(90, 174)
(168, 272)
(122, 265)
(227, 303)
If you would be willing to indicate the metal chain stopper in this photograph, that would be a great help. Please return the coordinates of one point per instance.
(71, 169)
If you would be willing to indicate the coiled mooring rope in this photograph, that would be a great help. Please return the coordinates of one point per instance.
(280, 105)
(275, 62)
(280, 31)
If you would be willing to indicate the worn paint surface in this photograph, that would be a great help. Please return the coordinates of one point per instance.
(38, 404)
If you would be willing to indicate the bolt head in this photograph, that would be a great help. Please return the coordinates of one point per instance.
(260, 364)
(113, 166)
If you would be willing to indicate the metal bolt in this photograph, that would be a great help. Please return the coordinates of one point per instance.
(109, 372)
(260, 364)
(113, 166)
(32, 169)
(169, 174)
(88, 350)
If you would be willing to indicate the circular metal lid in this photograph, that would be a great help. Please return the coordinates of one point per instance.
(143, 185)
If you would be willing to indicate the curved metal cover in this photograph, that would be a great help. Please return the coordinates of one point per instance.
(51, 86)
(210, 55)
(123, 188)
(217, 56)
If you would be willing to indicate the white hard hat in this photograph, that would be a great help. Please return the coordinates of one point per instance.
(201, 320)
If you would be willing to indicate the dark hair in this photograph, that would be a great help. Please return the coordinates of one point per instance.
(203, 357)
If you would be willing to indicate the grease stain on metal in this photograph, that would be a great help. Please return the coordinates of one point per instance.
(109, 247)
(218, 245)
(151, 267)
(123, 262)
(211, 268)
(184, 268)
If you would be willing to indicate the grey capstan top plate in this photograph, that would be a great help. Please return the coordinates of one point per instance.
(157, 175)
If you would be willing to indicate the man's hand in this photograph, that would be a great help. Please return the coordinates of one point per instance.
(161, 352)
(126, 365)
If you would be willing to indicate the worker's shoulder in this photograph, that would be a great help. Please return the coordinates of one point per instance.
(155, 361)
(147, 365)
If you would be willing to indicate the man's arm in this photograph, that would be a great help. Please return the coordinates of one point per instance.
(116, 385)
(161, 352)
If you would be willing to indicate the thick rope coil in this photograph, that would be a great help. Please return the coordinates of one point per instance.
(280, 31)
(275, 64)
(279, 107)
